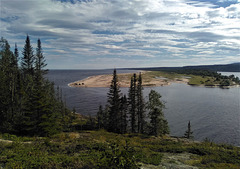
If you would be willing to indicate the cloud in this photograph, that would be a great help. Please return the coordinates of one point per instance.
(140, 30)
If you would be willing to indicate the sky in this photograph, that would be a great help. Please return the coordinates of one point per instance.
(99, 34)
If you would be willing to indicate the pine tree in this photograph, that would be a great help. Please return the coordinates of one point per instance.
(114, 104)
(40, 115)
(189, 134)
(132, 104)
(28, 104)
(40, 62)
(28, 58)
(158, 124)
(140, 105)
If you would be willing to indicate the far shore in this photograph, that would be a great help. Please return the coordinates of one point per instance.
(124, 81)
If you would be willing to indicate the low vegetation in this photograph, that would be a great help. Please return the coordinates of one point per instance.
(196, 77)
(101, 149)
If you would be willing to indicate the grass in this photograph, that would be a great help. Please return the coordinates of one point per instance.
(154, 74)
(149, 76)
(93, 149)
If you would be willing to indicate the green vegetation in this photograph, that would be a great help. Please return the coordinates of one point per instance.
(209, 78)
(196, 77)
(28, 103)
(153, 74)
(158, 124)
(98, 149)
(127, 115)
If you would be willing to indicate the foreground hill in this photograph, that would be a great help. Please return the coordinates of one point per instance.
(101, 149)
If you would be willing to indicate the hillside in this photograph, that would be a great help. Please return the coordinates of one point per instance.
(101, 149)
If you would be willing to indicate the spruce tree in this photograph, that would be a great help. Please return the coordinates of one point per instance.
(132, 104)
(158, 124)
(114, 104)
(40, 62)
(28, 104)
(140, 105)
(28, 58)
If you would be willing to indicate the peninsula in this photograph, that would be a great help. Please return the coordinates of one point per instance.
(163, 78)
(150, 78)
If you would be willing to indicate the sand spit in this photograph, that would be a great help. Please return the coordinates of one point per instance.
(124, 81)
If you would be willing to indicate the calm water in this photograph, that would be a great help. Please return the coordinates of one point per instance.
(214, 113)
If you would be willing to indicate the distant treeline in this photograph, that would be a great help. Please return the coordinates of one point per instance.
(29, 104)
(234, 67)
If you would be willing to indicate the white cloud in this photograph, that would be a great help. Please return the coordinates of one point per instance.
(127, 29)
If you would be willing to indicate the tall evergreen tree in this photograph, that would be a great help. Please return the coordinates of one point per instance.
(40, 62)
(28, 58)
(158, 124)
(114, 104)
(132, 104)
(28, 104)
(140, 105)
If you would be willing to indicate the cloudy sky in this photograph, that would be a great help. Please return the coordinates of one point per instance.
(95, 34)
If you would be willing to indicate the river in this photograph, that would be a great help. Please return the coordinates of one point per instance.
(214, 112)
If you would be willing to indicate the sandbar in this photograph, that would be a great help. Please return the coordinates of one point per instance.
(124, 80)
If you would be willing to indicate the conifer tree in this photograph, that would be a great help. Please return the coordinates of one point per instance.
(189, 134)
(28, 58)
(6, 86)
(140, 105)
(40, 62)
(16, 56)
(28, 104)
(158, 124)
(114, 104)
(132, 104)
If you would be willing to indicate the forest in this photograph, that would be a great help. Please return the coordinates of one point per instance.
(37, 130)
(29, 104)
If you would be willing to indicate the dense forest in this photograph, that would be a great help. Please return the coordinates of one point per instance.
(29, 104)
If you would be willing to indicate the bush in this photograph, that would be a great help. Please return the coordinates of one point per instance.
(118, 158)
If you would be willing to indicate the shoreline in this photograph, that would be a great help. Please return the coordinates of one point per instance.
(124, 81)
(148, 80)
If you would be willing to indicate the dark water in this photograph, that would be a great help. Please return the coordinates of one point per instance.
(214, 113)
